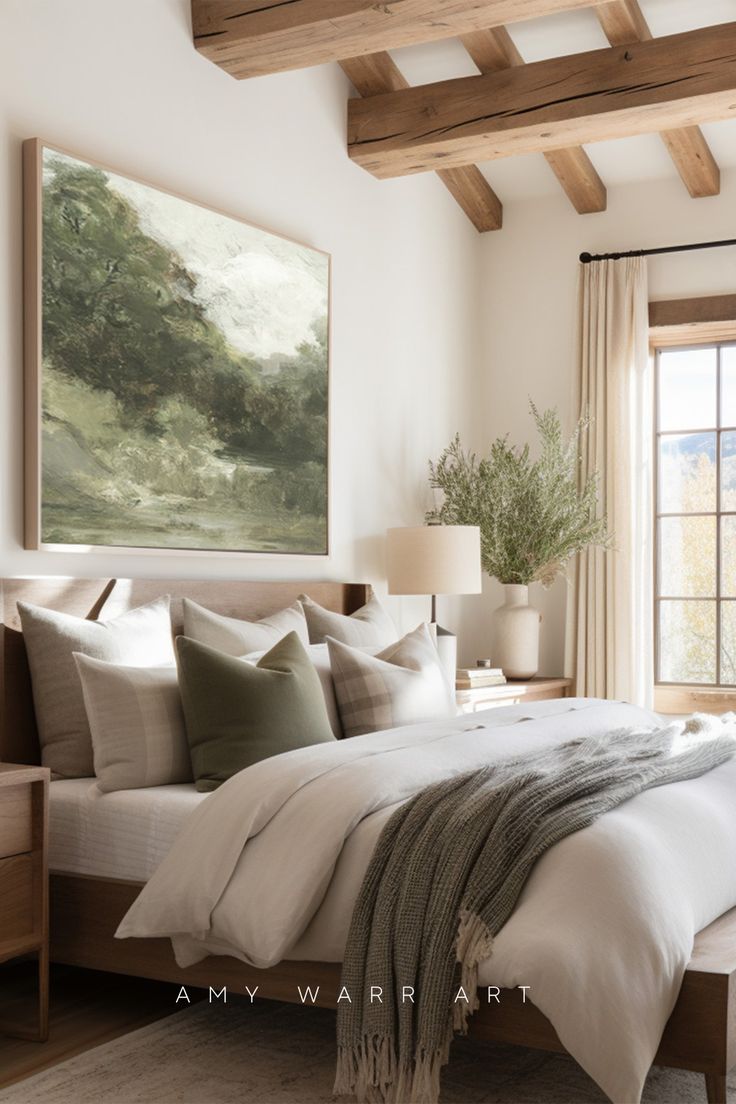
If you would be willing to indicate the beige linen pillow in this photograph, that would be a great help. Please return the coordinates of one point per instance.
(236, 637)
(369, 627)
(137, 723)
(140, 638)
(402, 685)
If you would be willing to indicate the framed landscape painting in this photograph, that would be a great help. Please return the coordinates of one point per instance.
(176, 370)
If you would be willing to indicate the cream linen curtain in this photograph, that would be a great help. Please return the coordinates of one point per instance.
(609, 642)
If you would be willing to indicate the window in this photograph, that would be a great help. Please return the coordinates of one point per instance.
(695, 538)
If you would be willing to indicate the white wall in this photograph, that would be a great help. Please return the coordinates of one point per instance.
(528, 283)
(119, 82)
(435, 329)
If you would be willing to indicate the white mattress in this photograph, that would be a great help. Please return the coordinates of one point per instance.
(115, 835)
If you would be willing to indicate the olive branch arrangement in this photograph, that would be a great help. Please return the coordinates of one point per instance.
(533, 515)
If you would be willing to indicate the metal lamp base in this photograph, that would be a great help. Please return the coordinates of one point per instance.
(447, 648)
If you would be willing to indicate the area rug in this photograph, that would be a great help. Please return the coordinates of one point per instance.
(269, 1053)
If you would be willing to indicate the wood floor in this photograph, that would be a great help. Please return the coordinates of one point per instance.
(86, 1008)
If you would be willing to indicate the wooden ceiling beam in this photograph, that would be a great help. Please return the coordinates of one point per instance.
(662, 84)
(623, 22)
(579, 179)
(693, 160)
(470, 189)
(249, 38)
(494, 49)
(372, 74)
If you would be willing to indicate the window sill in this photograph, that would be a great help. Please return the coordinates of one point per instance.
(694, 699)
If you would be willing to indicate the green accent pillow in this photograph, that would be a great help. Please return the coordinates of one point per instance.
(237, 713)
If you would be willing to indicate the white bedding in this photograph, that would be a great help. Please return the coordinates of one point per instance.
(115, 835)
(269, 868)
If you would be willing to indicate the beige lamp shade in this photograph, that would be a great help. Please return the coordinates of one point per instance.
(434, 559)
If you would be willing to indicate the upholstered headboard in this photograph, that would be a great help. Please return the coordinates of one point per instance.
(106, 598)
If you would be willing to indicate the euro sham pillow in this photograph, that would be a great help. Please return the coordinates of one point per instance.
(402, 685)
(137, 724)
(236, 637)
(368, 627)
(139, 638)
(238, 713)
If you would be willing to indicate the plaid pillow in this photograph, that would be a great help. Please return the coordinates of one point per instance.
(402, 685)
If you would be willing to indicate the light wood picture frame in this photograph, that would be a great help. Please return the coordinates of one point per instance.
(176, 371)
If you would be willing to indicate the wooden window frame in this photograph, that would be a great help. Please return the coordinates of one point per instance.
(678, 323)
(701, 321)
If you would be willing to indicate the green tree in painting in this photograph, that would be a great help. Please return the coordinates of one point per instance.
(155, 428)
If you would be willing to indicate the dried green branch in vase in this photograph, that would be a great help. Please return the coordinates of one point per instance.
(533, 514)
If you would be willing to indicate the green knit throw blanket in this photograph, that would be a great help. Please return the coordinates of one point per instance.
(445, 876)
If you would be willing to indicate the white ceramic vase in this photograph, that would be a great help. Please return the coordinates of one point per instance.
(517, 634)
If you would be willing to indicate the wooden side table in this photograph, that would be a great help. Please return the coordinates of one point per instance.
(24, 880)
(512, 693)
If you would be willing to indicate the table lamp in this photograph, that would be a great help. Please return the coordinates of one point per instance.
(435, 559)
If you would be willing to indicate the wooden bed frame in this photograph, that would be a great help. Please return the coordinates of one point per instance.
(700, 1034)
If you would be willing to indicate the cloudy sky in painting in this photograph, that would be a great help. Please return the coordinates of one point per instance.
(262, 291)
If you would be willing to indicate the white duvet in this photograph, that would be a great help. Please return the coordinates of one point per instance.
(269, 865)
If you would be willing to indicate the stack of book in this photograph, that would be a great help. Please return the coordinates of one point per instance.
(471, 678)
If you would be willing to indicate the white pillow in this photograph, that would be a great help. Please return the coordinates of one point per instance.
(139, 638)
(321, 660)
(235, 637)
(370, 626)
(402, 685)
(137, 723)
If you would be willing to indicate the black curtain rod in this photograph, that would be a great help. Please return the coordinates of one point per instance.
(586, 258)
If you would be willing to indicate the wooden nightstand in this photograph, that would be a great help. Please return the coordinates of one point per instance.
(512, 693)
(24, 879)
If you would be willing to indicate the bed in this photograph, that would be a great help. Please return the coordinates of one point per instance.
(89, 900)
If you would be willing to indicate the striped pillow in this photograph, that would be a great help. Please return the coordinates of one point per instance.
(137, 724)
(141, 638)
(402, 685)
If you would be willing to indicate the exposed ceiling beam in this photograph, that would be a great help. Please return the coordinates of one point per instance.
(651, 86)
(249, 38)
(372, 74)
(623, 22)
(494, 49)
(693, 160)
(471, 190)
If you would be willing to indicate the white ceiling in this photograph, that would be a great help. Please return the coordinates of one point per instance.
(619, 162)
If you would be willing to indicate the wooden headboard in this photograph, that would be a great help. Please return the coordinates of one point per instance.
(106, 598)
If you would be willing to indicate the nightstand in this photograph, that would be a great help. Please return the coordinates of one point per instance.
(24, 879)
(512, 693)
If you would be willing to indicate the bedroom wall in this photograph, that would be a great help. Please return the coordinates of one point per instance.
(435, 329)
(528, 308)
(119, 81)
